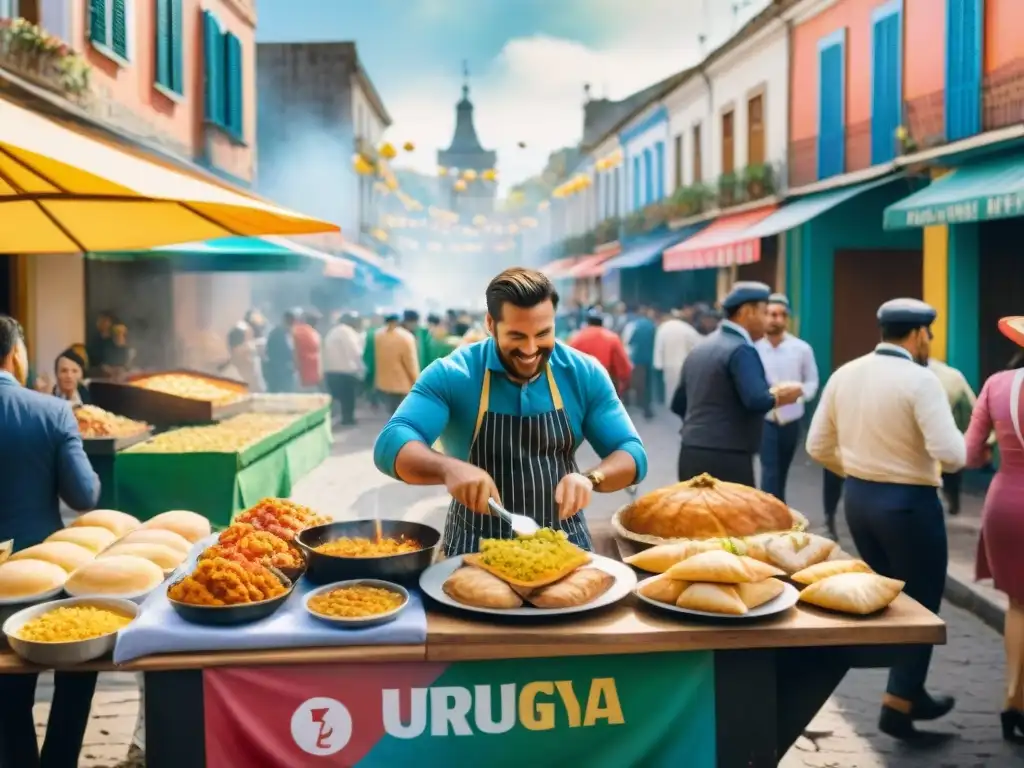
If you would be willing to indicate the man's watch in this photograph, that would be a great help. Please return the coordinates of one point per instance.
(596, 477)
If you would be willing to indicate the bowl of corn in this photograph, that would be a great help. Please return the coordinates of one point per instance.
(66, 632)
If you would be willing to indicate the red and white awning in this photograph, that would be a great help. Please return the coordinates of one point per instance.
(722, 244)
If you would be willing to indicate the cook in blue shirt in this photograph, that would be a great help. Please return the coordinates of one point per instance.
(510, 412)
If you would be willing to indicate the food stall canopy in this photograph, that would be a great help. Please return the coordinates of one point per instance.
(982, 191)
(716, 246)
(240, 254)
(372, 267)
(63, 192)
(591, 266)
(646, 250)
(559, 268)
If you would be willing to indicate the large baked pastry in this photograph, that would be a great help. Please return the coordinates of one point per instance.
(706, 508)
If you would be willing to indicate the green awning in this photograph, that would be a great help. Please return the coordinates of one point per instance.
(992, 189)
(240, 254)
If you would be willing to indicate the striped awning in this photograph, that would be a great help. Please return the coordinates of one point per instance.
(717, 246)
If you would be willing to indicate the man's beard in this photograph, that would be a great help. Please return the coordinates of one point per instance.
(509, 364)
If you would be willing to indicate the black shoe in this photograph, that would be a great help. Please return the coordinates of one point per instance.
(900, 726)
(1013, 726)
(931, 708)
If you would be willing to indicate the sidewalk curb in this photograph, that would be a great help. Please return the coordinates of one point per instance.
(985, 603)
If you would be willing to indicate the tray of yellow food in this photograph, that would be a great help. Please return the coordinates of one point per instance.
(592, 582)
(704, 508)
(105, 433)
(172, 397)
(71, 631)
(391, 550)
(357, 603)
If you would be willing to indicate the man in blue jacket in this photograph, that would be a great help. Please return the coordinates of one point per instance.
(723, 394)
(41, 461)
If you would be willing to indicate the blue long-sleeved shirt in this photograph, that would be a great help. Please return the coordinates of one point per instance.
(445, 400)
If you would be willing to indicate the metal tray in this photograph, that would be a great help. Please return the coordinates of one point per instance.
(108, 446)
(160, 408)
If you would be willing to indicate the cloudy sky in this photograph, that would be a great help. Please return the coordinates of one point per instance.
(528, 59)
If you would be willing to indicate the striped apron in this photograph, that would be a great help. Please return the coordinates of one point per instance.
(527, 456)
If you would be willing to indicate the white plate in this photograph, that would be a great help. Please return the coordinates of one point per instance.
(432, 579)
(779, 604)
(360, 621)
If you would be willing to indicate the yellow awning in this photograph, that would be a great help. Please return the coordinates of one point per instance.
(62, 192)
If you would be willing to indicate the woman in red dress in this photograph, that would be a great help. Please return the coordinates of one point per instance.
(1002, 523)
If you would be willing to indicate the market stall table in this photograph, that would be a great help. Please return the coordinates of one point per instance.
(624, 686)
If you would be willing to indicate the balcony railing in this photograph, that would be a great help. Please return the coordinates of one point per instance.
(28, 51)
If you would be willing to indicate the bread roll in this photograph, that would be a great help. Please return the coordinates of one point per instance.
(157, 536)
(186, 524)
(92, 537)
(166, 557)
(63, 553)
(29, 578)
(116, 522)
(116, 575)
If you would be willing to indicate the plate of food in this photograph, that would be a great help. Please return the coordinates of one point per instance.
(221, 592)
(721, 585)
(392, 550)
(539, 575)
(357, 603)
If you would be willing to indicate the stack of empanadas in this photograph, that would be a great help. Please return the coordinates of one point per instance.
(847, 586)
(715, 581)
(475, 587)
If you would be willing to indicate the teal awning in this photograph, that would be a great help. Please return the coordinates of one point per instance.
(992, 189)
(240, 254)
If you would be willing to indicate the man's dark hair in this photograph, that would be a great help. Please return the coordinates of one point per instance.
(10, 334)
(236, 337)
(594, 319)
(898, 331)
(520, 287)
(290, 316)
(460, 329)
(433, 319)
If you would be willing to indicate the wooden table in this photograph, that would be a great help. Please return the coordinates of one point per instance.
(771, 677)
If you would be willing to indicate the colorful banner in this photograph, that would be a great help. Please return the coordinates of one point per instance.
(654, 710)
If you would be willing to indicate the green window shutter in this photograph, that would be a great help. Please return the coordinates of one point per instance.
(119, 28)
(98, 21)
(163, 43)
(214, 66)
(233, 83)
(177, 65)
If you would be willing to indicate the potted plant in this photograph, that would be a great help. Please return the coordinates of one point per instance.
(727, 190)
(607, 231)
(46, 60)
(634, 223)
(758, 181)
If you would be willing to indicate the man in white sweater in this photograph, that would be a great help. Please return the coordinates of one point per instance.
(673, 341)
(884, 422)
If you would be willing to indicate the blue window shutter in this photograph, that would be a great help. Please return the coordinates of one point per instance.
(636, 184)
(214, 67)
(964, 25)
(119, 28)
(163, 43)
(233, 85)
(648, 177)
(177, 63)
(659, 149)
(98, 21)
(831, 108)
(886, 102)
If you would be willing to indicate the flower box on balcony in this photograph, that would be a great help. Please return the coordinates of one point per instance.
(728, 190)
(758, 181)
(30, 52)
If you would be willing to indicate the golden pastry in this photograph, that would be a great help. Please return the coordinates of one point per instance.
(662, 589)
(759, 592)
(157, 536)
(856, 593)
(113, 576)
(478, 588)
(660, 558)
(188, 525)
(796, 551)
(819, 571)
(63, 553)
(706, 508)
(167, 558)
(92, 537)
(116, 522)
(26, 579)
(712, 598)
(718, 566)
(578, 588)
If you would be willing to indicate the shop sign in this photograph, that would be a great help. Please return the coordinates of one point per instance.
(653, 709)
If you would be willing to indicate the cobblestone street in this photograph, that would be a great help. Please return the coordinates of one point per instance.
(970, 666)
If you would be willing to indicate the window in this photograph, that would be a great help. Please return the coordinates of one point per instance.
(224, 98)
(832, 104)
(677, 176)
(755, 130)
(886, 77)
(108, 26)
(728, 142)
(964, 30)
(659, 159)
(169, 68)
(648, 177)
(617, 192)
(698, 169)
(8, 9)
(636, 184)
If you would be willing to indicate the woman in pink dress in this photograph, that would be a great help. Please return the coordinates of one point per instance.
(1002, 523)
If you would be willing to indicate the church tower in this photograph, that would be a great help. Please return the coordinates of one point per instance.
(466, 161)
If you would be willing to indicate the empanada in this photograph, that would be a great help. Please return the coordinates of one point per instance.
(857, 593)
(759, 592)
(662, 589)
(828, 568)
(759, 570)
(712, 598)
(795, 551)
(662, 557)
(578, 588)
(718, 566)
(757, 546)
(476, 587)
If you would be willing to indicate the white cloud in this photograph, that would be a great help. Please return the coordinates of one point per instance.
(533, 91)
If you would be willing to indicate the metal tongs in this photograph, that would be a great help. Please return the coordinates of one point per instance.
(521, 524)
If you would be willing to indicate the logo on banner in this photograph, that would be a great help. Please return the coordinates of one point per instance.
(321, 726)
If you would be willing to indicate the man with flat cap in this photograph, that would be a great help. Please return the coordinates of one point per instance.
(786, 359)
(885, 424)
(723, 394)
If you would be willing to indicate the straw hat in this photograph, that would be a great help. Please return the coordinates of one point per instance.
(1013, 329)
